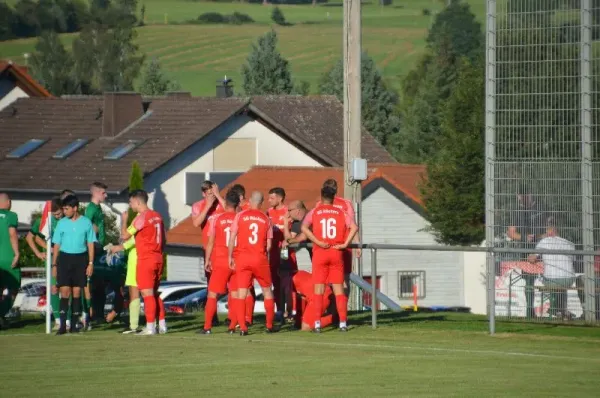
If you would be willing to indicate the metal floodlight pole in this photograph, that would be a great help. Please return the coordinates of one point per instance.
(352, 104)
(490, 137)
(374, 288)
(587, 211)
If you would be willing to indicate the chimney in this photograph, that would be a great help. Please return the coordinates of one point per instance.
(178, 94)
(224, 90)
(120, 110)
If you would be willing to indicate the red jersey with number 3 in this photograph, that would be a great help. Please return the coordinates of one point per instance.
(149, 235)
(220, 228)
(197, 208)
(253, 229)
(329, 224)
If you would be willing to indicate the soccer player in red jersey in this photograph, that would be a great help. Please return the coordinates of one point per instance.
(251, 297)
(149, 231)
(218, 262)
(332, 231)
(278, 213)
(251, 237)
(347, 206)
(303, 284)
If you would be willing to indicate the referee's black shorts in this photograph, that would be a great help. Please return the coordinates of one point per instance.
(70, 269)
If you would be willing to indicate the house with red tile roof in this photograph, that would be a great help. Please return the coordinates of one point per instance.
(16, 82)
(392, 211)
(51, 144)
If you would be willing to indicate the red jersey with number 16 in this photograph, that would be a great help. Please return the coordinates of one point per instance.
(253, 229)
(329, 224)
(220, 228)
(149, 235)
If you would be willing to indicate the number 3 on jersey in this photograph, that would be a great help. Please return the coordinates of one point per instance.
(253, 233)
(328, 228)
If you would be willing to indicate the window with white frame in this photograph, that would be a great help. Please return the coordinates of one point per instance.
(408, 281)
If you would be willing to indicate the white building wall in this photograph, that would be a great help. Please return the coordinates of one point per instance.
(474, 282)
(11, 97)
(386, 219)
(167, 185)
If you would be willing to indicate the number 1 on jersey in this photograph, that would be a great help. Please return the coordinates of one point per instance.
(158, 233)
(228, 236)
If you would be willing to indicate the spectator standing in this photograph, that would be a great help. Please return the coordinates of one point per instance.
(10, 274)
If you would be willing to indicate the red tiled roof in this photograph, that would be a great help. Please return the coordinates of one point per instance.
(24, 79)
(304, 183)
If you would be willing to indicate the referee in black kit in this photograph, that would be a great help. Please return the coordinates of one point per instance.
(73, 239)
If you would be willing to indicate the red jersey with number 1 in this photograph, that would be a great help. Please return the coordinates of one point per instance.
(220, 228)
(149, 235)
(329, 224)
(253, 229)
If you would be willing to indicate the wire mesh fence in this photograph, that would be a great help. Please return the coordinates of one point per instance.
(542, 156)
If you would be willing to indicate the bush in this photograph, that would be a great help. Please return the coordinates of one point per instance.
(426, 12)
(278, 17)
(215, 18)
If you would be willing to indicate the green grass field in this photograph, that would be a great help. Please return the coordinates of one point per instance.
(197, 55)
(409, 355)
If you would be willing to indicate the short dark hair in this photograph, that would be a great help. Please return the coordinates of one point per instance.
(206, 185)
(139, 194)
(278, 191)
(100, 185)
(70, 201)
(328, 193)
(67, 191)
(232, 198)
(239, 189)
(56, 204)
(330, 182)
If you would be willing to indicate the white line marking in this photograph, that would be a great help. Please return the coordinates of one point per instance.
(251, 339)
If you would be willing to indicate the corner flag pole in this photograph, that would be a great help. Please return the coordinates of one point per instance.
(48, 227)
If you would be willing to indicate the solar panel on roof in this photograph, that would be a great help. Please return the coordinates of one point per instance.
(70, 149)
(26, 149)
(124, 149)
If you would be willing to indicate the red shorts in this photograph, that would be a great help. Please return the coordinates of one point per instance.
(148, 273)
(222, 278)
(347, 261)
(328, 267)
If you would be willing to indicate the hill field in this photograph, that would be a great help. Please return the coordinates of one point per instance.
(197, 55)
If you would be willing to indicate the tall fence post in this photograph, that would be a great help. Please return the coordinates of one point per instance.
(490, 137)
(374, 288)
(587, 212)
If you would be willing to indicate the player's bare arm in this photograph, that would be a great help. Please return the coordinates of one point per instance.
(209, 249)
(55, 251)
(124, 232)
(220, 199)
(231, 246)
(90, 268)
(40, 242)
(201, 217)
(351, 235)
(31, 242)
(308, 233)
(14, 242)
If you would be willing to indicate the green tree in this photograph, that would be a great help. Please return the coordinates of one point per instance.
(454, 34)
(136, 181)
(378, 102)
(154, 81)
(453, 191)
(278, 17)
(51, 64)
(265, 70)
(8, 21)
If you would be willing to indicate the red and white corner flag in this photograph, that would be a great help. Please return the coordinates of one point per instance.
(45, 228)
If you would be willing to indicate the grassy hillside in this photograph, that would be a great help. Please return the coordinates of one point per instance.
(198, 55)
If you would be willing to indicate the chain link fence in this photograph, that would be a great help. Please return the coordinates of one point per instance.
(542, 152)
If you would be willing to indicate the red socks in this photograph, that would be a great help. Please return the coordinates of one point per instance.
(318, 306)
(249, 308)
(241, 314)
(150, 309)
(341, 303)
(161, 308)
(209, 312)
(270, 312)
(233, 313)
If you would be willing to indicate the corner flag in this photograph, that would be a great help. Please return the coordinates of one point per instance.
(46, 228)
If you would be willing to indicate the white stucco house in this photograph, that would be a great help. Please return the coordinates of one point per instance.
(392, 212)
(16, 83)
(51, 144)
